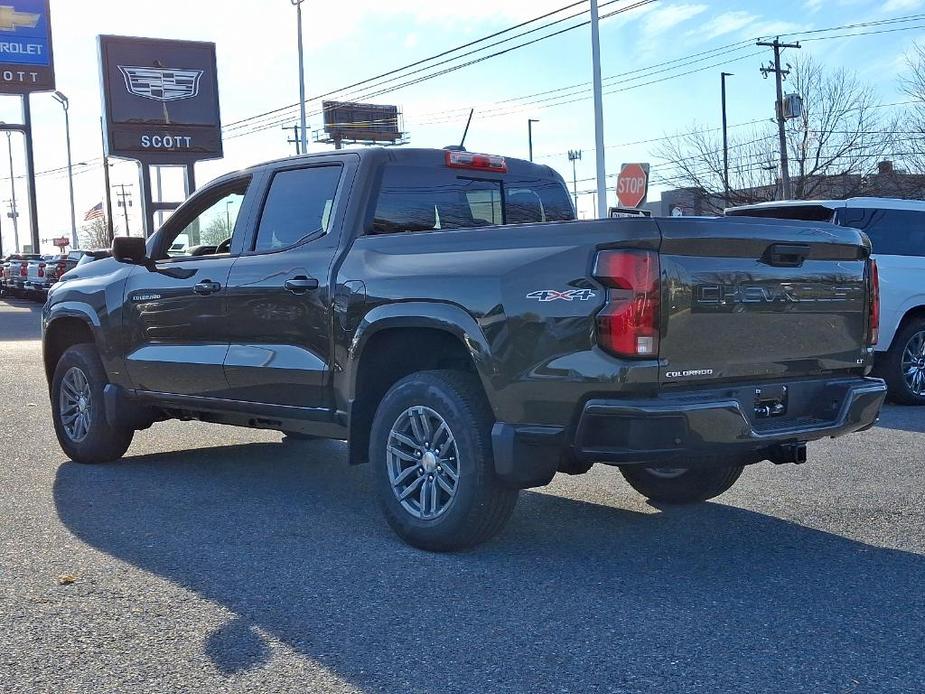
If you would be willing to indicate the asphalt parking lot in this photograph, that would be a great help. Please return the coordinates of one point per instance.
(217, 559)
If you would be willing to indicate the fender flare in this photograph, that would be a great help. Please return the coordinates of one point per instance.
(449, 318)
(70, 310)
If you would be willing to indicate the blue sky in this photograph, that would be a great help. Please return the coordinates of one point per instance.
(257, 65)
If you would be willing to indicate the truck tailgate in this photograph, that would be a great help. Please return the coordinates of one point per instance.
(763, 298)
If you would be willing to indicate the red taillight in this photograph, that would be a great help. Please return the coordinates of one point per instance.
(628, 325)
(481, 162)
(873, 318)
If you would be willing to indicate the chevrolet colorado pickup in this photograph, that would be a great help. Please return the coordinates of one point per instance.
(445, 314)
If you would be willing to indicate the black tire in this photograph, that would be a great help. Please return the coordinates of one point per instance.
(690, 486)
(889, 365)
(481, 504)
(102, 443)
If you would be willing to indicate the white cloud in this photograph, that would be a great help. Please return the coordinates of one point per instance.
(725, 23)
(901, 5)
(813, 6)
(668, 17)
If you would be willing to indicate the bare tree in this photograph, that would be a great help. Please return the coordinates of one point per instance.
(839, 139)
(95, 235)
(218, 230)
(913, 120)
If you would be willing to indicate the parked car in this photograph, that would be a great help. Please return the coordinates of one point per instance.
(16, 273)
(40, 276)
(445, 313)
(5, 264)
(896, 229)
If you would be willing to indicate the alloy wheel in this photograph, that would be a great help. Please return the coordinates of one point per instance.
(913, 364)
(75, 404)
(423, 463)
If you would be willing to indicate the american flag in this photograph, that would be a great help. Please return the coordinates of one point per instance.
(96, 212)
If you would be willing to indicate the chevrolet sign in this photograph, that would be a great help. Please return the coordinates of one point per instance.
(26, 62)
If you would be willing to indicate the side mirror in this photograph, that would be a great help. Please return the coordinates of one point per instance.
(129, 249)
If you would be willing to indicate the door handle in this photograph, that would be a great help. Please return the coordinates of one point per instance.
(786, 254)
(301, 284)
(207, 287)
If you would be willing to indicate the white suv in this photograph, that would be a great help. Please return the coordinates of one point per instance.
(897, 232)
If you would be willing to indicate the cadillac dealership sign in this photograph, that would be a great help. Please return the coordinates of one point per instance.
(160, 99)
(26, 60)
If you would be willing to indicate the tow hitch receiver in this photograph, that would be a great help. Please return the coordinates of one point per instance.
(789, 453)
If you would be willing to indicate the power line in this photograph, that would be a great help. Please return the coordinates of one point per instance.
(415, 81)
(416, 63)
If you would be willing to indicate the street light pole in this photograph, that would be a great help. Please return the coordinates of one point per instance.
(601, 202)
(723, 76)
(530, 122)
(303, 137)
(14, 212)
(65, 104)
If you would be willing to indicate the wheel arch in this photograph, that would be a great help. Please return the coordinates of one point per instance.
(910, 314)
(396, 340)
(67, 324)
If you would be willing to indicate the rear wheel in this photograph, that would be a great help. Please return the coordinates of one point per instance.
(78, 411)
(903, 366)
(430, 446)
(681, 485)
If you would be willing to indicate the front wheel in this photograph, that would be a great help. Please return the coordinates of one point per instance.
(78, 411)
(430, 447)
(681, 485)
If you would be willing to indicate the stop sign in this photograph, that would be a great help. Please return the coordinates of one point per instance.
(633, 184)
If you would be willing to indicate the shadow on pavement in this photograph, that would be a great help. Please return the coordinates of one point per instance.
(20, 319)
(573, 596)
(903, 417)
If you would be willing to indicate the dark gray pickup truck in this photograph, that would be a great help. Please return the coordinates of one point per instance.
(446, 314)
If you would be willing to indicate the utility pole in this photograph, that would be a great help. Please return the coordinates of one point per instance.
(124, 202)
(574, 155)
(723, 76)
(294, 140)
(66, 105)
(598, 113)
(779, 76)
(530, 122)
(107, 187)
(302, 117)
(14, 213)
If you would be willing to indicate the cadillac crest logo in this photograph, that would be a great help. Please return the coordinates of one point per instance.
(161, 84)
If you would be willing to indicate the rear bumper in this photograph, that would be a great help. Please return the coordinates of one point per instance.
(37, 286)
(691, 426)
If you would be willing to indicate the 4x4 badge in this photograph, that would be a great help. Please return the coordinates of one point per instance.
(567, 295)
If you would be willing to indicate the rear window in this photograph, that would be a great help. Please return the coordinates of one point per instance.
(891, 232)
(424, 198)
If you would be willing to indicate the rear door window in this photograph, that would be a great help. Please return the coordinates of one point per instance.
(418, 198)
(298, 205)
(891, 232)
